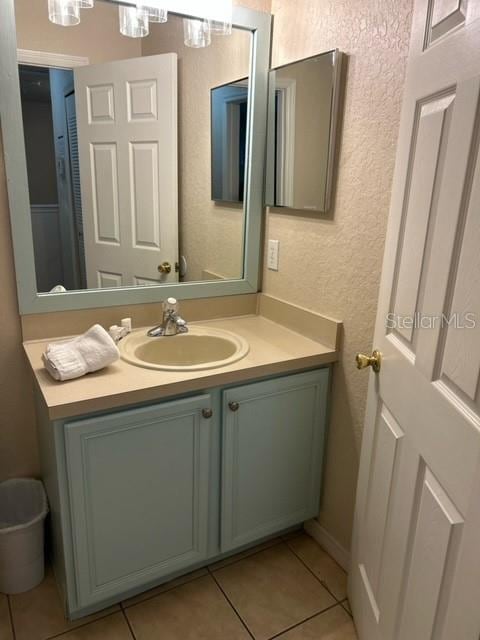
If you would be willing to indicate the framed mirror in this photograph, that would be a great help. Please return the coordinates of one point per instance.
(109, 162)
(302, 125)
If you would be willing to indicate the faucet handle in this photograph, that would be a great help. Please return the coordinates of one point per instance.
(170, 304)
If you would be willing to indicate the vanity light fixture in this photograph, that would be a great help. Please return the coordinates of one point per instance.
(133, 22)
(85, 4)
(217, 22)
(155, 9)
(221, 25)
(220, 28)
(196, 33)
(210, 17)
(64, 12)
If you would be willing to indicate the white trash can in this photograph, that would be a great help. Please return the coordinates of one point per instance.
(23, 508)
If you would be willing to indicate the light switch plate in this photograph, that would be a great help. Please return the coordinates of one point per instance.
(273, 249)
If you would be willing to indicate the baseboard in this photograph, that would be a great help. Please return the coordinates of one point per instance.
(328, 542)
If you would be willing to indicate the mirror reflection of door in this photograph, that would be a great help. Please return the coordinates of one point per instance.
(127, 125)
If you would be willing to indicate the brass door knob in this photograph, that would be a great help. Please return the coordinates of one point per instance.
(207, 413)
(165, 267)
(234, 406)
(374, 361)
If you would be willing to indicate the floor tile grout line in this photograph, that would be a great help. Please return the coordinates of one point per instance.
(324, 584)
(132, 632)
(84, 624)
(10, 614)
(242, 621)
(278, 542)
(172, 588)
(299, 624)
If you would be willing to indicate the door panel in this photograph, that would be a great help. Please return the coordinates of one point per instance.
(414, 563)
(386, 450)
(272, 456)
(433, 540)
(142, 100)
(106, 216)
(139, 493)
(432, 123)
(109, 280)
(445, 16)
(146, 221)
(100, 104)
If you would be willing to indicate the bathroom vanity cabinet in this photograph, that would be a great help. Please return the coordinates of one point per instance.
(143, 494)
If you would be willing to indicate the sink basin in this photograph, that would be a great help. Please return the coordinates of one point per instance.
(201, 348)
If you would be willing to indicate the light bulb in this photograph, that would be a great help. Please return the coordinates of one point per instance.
(133, 22)
(64, 12)
(156, 12)
(220, 28)
(197, 33)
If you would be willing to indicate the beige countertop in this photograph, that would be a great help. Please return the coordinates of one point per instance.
(274, 349)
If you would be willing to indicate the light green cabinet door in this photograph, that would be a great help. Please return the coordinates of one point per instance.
(273, 435)
(139, 490)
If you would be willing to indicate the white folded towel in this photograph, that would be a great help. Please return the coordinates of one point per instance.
(74, 358)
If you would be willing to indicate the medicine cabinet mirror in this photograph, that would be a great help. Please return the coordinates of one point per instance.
(302, 123)
(109, 159)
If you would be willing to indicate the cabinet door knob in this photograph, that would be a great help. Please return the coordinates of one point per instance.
(207, 413)
(234, 406)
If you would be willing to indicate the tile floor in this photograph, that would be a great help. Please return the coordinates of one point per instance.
(288, 588)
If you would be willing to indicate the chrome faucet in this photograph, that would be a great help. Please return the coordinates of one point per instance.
(172, 323)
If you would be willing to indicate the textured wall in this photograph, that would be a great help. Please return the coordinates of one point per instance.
(332, 263)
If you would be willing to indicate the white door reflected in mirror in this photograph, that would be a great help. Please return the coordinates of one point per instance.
(129, 184)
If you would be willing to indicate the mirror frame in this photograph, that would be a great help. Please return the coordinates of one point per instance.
(29, 300)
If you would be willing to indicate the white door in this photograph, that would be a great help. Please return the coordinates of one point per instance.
(127, 131)
(415, 571)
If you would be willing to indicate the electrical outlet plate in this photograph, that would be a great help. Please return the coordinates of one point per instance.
(273, 249)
